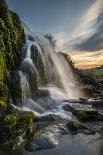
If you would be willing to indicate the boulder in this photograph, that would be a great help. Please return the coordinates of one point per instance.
(83, 112)
(75, 127)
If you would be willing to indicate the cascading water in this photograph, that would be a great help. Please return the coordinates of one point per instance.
(24, 87)
(46, 80)
(56, 67)
(42, 68)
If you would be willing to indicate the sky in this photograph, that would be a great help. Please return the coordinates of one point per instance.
(77, 25)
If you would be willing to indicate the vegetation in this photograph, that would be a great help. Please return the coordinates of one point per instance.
(93, 80)
(11, 43)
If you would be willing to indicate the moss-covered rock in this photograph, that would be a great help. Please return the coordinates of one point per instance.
(84, 112)
(11, 42)
(75, 127)
(13, 123)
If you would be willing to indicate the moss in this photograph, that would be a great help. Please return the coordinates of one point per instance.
(87, 115)
(76, 127)
(11, 42)
(27, 120)
(3, 105)
(11, 120)
(72, 126)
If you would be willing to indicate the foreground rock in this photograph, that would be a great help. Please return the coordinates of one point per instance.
(75, 127)
(84, 112)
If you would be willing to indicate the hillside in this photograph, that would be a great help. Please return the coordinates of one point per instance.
(93, 80)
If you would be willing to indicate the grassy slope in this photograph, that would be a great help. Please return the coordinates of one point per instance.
(94, 79)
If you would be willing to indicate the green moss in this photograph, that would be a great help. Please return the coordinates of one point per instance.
(27, 120)
(11, 42)
(3, 105)
(11, 120)
(87, 115)
(72, 126)
(76, 127)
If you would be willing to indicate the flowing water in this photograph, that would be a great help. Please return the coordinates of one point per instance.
(46, 79)
(45, 69)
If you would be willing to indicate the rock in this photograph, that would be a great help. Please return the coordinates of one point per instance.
(15, 88)
(42, 92)
(97, 104)
(72, 127)
(31, 147)
(17, 142)
(38, 61)
(47, 119)
(11, 43)
(30, 37)
(76, 107)
(83, 112)
(75, 127)
(43, 142)
(38, 143)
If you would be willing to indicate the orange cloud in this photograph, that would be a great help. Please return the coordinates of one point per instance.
(87, 59)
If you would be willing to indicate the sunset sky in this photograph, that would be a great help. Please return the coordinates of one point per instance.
(77, 25)
(87, 59)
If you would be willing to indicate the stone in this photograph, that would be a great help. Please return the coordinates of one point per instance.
(83, 112)
(75, 127)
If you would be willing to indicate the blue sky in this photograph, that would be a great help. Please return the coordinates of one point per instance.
(77, 25)
(54, 16)
(50, 15)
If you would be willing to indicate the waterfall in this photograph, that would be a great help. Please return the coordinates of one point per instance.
(24, 87)
(42, 68)
(56, 68)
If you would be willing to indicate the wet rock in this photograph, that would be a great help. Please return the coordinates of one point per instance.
(47, 119)
(75, 127)
(28, 67)
(15, 88)
(42, 92)
(97, 104)
(31, 147)
(72, 127)
(83, 112)
(38, 143)
(30, 37)
(38, 61)
(76, 107)
(43, 142)
(17, 142)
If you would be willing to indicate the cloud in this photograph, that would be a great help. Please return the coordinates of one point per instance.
(87, 59)
(95, 41)
(88, 36)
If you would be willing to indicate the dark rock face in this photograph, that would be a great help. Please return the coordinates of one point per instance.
(92, 80)
(15, 89)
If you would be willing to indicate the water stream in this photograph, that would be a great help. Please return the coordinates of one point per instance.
(46, 79)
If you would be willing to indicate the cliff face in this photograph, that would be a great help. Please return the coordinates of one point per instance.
(11, 42)
(12, 39)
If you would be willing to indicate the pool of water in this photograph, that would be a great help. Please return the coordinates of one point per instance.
(75, 145)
